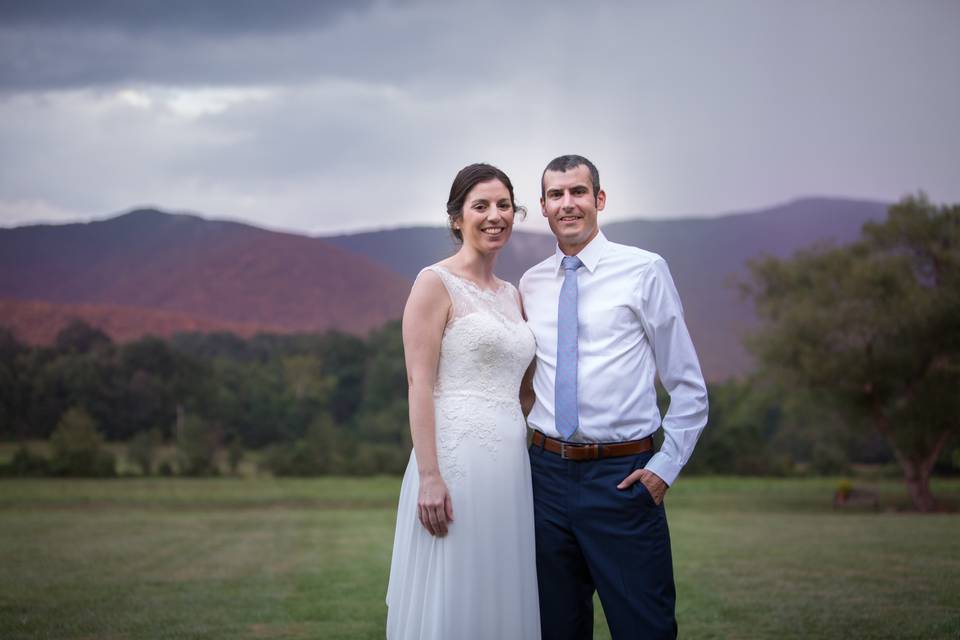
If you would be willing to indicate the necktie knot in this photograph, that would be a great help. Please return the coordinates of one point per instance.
(571, 262)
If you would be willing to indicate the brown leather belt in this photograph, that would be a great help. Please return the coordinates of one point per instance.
(591, 451)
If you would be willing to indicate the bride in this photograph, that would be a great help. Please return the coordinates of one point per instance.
(463, 555)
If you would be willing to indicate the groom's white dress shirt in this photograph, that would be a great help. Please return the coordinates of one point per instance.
(631, 327)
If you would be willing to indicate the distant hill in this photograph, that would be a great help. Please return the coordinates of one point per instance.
(408, 250)
(221, 272)
(154, 272)
(705, 256)
(38, 322)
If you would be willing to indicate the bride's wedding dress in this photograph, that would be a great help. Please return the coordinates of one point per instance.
(480, 580)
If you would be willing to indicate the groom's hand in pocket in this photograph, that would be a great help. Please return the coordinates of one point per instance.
(655, 486)
(434, 507)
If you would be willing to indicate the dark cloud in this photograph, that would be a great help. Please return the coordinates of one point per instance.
(58, 58)
(62, 44)
(198, 16)
(244, 43)
(324, 116)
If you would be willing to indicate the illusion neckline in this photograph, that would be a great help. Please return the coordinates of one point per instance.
(503, 283)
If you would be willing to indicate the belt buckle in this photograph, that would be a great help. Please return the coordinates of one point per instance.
(591, 451)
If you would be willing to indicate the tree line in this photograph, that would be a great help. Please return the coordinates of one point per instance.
(315, 404)
(330, 403)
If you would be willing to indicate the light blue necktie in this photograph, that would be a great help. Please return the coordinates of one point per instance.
(565, 385)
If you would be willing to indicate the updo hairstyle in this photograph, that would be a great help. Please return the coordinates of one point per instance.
(469, 177)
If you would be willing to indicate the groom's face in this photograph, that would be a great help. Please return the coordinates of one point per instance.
(571, 207)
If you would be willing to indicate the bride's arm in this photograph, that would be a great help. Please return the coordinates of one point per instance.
(527, 396)
(424, 319)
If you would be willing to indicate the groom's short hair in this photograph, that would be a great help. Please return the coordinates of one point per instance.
(566, 163)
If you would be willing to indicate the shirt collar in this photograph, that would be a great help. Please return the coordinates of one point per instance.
(590, 255)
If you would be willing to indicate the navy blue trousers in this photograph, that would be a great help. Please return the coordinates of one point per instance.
(592, 536)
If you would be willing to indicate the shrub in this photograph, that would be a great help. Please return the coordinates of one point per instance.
(379, 458)
(234, 454)
(142, 449)
(26, 463)
(197, 447)
(318, 453)
(78, 447)
(829, 460)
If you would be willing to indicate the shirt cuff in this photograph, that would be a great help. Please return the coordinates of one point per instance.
(662, 465)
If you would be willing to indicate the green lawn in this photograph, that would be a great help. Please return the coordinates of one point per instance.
(263, 558)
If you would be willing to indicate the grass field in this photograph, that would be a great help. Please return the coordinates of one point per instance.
(264, 558)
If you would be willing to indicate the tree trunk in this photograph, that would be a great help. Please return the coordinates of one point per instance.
(917, 468)
(916, 474)
(178, 426)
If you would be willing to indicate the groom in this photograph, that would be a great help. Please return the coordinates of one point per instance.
(607, 319)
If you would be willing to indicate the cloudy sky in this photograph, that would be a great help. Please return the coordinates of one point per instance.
(324, 116)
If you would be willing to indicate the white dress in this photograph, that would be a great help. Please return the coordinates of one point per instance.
(480, 580)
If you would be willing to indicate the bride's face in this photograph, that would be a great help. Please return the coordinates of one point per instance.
(487, 217)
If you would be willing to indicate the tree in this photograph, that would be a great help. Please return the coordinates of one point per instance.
(250, 401)
(744, 415)
(386, 376)
(154, 379)
(317, 453)
(874, 328)
(344, 358)
(12, 389)
(26, 463)
(234, 454)
(197, 445)
(78, 447)
(142, 449)
(80, 337)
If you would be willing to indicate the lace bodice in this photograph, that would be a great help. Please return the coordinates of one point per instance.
(486, 346)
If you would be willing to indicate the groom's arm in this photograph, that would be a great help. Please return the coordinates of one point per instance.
(661, 315)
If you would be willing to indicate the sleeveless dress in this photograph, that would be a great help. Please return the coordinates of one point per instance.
(480, 580)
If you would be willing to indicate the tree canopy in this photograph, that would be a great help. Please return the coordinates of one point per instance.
(874, 327)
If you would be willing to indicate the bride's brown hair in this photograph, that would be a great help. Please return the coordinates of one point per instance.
(469, 177)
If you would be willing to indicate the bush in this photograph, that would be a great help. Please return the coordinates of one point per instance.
(828, 460)
(379, 458)
(234, 454)
(197, 445)
(78, 447)
(290, 459)
(142, 449)
(26, 463)
(317, 453)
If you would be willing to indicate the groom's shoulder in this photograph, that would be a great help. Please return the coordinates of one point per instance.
(545, 267)
(634, 255)
(546, 264)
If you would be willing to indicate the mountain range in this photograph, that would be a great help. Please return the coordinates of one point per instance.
(199, 273)
(147, 271)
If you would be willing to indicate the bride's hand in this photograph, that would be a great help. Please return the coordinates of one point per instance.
(434, 508)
